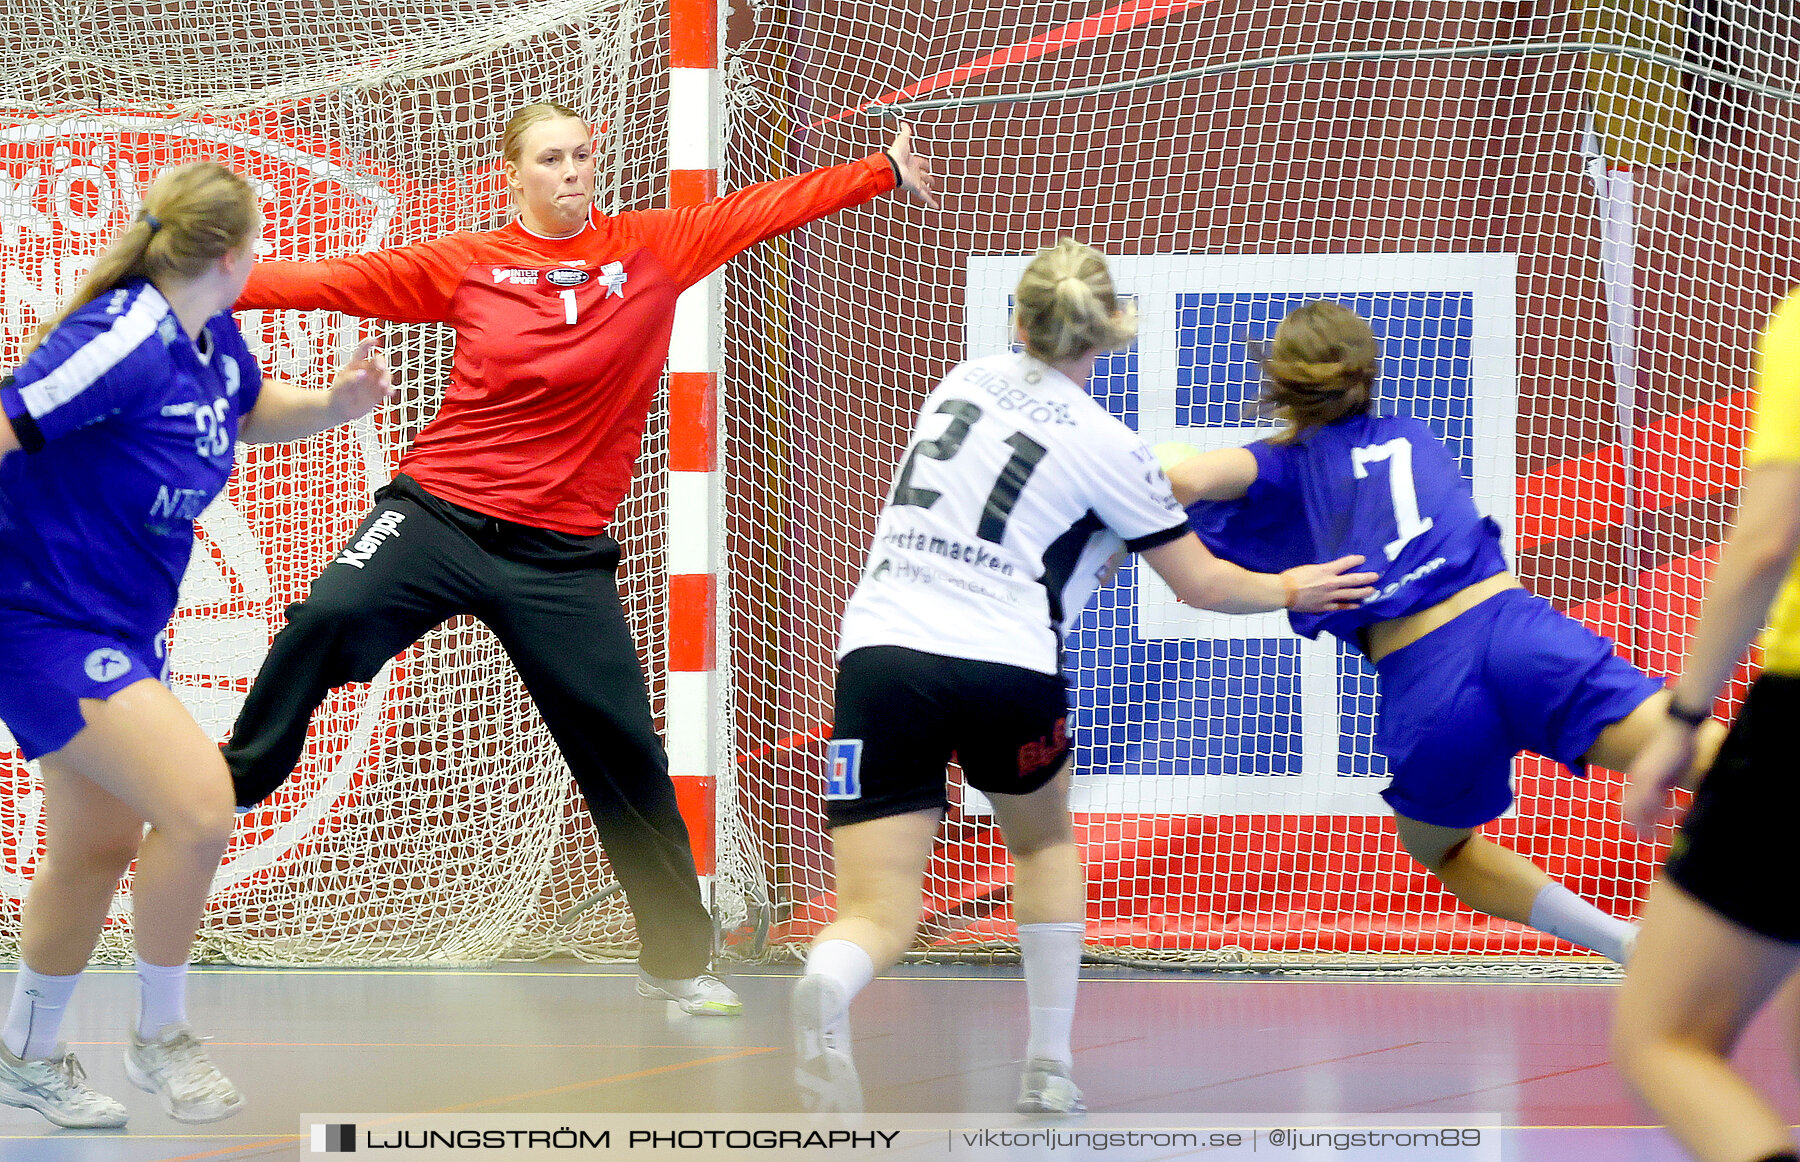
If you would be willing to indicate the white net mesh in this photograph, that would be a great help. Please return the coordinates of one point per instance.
(1566, 222)
(431, 817)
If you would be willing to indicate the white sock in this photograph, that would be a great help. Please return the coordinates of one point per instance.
(35, 1018)
(845, 962)
(1560, 912)
(162, 997)
(1052, 955)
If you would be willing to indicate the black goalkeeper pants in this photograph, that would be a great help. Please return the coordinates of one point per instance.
(553, 601)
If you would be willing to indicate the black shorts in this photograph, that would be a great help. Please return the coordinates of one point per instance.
(901, 715)
(1734, 851)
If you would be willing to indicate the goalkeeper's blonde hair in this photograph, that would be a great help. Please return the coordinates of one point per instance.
(1320, 368)
(1065, 306)
(512, 138)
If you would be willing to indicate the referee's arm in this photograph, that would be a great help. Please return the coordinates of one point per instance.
(1751, 569)
(1762, 545)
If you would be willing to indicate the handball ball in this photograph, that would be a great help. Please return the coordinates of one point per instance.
(1172, 452)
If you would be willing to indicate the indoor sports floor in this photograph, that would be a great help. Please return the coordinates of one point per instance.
(576, 1039)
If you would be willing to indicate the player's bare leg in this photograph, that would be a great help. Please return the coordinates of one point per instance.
(1620, 743)
(880, 869)
(1494, 879)
(139, 759)
(1050, 906)
(1694, 983)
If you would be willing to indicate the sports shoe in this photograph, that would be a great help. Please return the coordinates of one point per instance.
(176, 1069)
(56, 1086)
(1046, 1089)
(824, 1072)
(704, 995)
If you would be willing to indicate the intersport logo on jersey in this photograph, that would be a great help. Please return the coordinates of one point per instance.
(67, 186)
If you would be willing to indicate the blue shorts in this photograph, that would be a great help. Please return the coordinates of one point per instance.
(52, 665)
(1511, 674)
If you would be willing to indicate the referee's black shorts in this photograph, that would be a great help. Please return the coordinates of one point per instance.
(901, 714)
(1734, 851)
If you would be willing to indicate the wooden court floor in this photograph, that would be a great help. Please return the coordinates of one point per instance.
(576, 1039)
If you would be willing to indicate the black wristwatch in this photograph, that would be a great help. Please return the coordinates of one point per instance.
(1693, 718)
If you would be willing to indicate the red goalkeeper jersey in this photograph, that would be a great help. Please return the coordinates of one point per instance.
(560, 343)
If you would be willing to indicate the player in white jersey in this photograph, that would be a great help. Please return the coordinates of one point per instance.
(1016, 497)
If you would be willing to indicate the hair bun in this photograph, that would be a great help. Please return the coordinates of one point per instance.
(1065, 305)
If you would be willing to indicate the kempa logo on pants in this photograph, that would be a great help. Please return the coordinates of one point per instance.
(333, 1139)
(386, 525)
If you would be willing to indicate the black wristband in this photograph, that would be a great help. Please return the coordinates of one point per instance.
(895, 166)
(1693, 718)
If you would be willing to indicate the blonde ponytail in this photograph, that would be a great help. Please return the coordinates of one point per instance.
(193, 215)
(1065, 306)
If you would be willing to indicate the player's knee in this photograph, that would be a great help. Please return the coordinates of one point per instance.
(94, 857)
(1628, 1045)
(325, 614)
(895, 918)
(1434, 857)
(201, 818)
(1637, 1048)
(200, 827)
(1031, 842)
(345, 637)
(1451, 854)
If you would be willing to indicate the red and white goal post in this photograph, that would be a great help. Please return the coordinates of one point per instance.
(1566, 222)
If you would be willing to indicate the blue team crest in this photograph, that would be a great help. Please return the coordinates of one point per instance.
(104, 665)
(843, 768)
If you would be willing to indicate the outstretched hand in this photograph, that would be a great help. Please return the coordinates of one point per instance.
(362, 384)
(1327, 588)
(1662, 763)
(915, 171)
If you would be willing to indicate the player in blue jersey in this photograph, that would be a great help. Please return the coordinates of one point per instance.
(1473, 667)
(119, 428)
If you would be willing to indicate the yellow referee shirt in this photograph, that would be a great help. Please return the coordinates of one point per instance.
(1775, 439)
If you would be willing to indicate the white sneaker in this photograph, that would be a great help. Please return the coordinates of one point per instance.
(824, 1072)
(1046, 1088)
(56, 1086)
(704, 995)
(176, 1069)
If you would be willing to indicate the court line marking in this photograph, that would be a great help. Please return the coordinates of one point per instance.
(287, 1140)
(1513, 1084)
(749, 1051)
(1006, 1063)
(1267, 1073)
